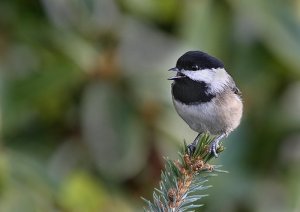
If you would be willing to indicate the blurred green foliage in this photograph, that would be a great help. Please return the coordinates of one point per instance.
(86, 112)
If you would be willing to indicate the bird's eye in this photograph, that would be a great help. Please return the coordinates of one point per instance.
(195, 68)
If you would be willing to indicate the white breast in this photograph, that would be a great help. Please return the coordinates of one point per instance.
(216, 117)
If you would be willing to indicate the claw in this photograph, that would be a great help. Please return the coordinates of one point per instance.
(215, 145)
(192, 147)
(213, 149)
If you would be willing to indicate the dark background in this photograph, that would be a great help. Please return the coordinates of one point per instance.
(86, 113)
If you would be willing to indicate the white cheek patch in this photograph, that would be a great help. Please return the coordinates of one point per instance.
(216, 77)
(201, 75)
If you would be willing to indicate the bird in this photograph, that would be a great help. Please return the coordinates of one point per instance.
(206, 97)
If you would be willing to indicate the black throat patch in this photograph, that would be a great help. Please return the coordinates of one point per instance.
(190, 92)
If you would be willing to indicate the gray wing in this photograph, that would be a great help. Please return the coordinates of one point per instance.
(234, 88)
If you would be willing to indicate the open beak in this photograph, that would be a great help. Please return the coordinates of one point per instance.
(179, 75)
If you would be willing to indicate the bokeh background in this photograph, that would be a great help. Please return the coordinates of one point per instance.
(86, 114)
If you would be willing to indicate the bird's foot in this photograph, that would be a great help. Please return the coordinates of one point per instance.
(191, 148)
(215, 145)
(213, 148)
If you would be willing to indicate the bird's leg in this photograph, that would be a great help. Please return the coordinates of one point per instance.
(215, 144)
(192, 147)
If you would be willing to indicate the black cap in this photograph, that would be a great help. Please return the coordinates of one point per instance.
(195, 60)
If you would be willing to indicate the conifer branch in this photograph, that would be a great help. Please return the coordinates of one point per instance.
(184, 179)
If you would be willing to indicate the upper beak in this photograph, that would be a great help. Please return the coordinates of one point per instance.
(174, 69)
(178, 75)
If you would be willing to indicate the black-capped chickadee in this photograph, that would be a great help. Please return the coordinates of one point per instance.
(206, 97)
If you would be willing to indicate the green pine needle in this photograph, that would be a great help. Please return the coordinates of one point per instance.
(182, 181)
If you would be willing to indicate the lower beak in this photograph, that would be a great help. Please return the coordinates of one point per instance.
(176, 77)
(179, 75)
